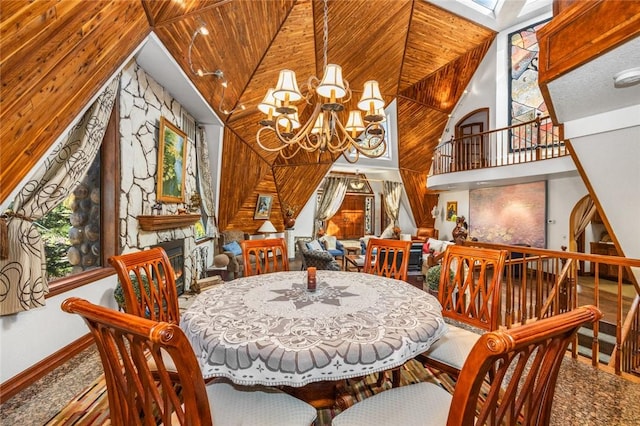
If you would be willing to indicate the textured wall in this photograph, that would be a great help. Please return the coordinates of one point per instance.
(142, 102)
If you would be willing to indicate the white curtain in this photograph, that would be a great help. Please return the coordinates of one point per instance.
(24, 274)
(391, 191)
(333, 192)
(206, 183)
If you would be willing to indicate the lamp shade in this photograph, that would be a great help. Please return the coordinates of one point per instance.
(355, 123)
(269, 104)
(267, 227)
(332, 81)
(287, 85)
(289, 121)
(371, 99)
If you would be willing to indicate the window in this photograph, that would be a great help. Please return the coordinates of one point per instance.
(86, 224)
(525, 99)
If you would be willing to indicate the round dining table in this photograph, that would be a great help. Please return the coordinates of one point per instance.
(270, 330)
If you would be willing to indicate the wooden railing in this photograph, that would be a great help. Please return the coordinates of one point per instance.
(539, 283)
(527, 142)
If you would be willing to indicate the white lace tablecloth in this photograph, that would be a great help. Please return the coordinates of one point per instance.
(268, 329)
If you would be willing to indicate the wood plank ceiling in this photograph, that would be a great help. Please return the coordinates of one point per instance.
(421, 55)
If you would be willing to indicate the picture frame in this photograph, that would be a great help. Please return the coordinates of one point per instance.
(263, 207)
(452, 210)
(172, 159)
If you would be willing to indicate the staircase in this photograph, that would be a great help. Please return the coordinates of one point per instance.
(606, 340)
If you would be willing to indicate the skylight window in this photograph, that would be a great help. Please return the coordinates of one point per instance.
(489, 4)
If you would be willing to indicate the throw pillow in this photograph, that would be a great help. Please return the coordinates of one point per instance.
(330, 242)
(314, 245)
(233, 247)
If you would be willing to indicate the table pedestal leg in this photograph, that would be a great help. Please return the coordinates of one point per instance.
(318, 394)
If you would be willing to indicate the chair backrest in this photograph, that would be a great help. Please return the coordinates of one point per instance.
(510, 375)
(157, 297)
(137, 395)
(264, 256)
(473, 295)
(302, 248)
(387, 258)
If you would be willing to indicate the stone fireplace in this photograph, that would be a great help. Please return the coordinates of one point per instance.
(175, 252)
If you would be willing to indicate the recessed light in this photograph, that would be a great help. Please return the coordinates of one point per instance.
(627, 78)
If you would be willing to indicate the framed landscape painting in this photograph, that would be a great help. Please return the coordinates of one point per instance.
(172, 158)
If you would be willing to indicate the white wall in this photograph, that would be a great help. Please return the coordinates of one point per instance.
(29, 337)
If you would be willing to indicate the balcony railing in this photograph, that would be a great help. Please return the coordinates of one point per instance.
(539, 283)
(527, 142)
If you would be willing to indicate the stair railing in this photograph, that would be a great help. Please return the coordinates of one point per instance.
(626, 357)
(531, 141)
(539, 283)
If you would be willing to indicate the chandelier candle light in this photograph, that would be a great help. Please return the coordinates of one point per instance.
(323, 132)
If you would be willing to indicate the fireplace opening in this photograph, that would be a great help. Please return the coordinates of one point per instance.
(175, 252)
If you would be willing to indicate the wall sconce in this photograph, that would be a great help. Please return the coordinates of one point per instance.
(218, 73)
(435, 212)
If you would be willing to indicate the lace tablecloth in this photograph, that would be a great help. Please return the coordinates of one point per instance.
(268, 329)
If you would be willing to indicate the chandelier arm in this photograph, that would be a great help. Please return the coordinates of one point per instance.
(353, 143)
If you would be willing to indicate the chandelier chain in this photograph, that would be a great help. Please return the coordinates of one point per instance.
(325, 29)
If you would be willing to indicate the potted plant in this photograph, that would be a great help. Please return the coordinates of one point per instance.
(432, 279)
(118, 293)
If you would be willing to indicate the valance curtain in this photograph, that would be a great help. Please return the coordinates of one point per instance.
(333, 191)
(206, 183)
(391, 191)
(23, 275)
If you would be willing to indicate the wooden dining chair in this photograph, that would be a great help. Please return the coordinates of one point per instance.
(264, 256)
(148, 284)
(508, 378)
(471, 295)
(387, 258)
(139, 396)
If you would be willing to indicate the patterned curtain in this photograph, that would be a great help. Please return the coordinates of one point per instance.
(333, 191)
(206, 183)
(391, 191)
(23, 275)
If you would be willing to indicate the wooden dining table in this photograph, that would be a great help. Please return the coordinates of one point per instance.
(270, 330)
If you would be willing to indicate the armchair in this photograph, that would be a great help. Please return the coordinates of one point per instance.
(331, 244)
(422, 234)
(236, 264)
(322, 260)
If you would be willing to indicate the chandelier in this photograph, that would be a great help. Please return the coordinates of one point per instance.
(323, 132)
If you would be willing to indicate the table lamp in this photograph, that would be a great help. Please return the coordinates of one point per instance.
(267, 229)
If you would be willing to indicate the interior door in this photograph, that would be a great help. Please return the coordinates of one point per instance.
(348, 222)
(470, 150)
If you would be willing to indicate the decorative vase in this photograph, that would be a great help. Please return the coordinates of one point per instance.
(289, 222)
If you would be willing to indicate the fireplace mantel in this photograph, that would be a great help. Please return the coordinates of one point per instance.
(169, 221)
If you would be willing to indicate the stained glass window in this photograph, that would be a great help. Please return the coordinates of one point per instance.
(526, 100)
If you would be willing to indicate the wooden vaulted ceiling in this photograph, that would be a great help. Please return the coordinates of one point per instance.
(422, 56)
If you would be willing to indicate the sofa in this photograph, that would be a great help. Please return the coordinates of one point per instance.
(235, 267)
(433, 252)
